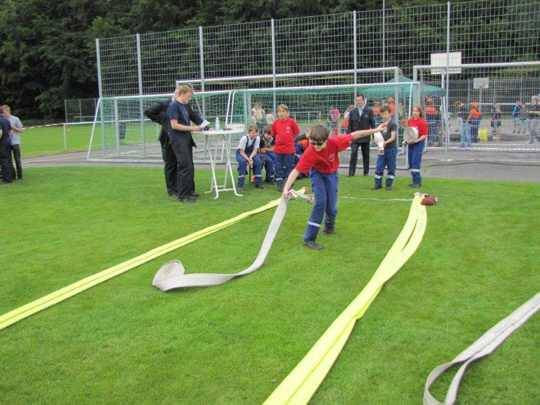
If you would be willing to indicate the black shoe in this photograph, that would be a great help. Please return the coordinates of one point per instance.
(311, 244)
(189, 199)
(259, 186)
(329, 231)
(388, 188)
(377, 188)
(194, 194)
(172, 194)
(414, 185)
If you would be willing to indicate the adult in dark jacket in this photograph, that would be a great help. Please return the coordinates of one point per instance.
(6, 165)
(360, 118)
(158, 114)
(181, 115)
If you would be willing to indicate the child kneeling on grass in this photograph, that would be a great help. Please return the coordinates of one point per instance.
(387, 153)
(321, 161)
(246, 156)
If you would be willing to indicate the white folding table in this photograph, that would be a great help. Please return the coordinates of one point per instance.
(216, 141)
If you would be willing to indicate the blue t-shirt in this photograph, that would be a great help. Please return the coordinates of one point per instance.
(183, 114)
(5, 128)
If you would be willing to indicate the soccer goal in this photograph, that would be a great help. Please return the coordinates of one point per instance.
(120, 130)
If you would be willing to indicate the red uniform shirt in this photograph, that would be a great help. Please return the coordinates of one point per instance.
(284, 131)
(326, 160)
(420, 124)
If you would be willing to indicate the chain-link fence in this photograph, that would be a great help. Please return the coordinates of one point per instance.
(483, 31)
(350, 49)
(80, 110)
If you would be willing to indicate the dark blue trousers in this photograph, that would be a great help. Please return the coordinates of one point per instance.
(284, 166)
(268, 160)
(415, 161)
(243, 169)
(325, 189)
(388, 161)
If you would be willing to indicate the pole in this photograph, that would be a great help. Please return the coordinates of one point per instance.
(201, 65)
(65, 137)
(117, 126)
(273, 27)
(100, 94)
(355, 62)
(447, 83)
(141, 109)
(383, 36)
(98, 64)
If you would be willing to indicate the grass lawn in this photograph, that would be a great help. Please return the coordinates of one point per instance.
(50, 140)
(126, 342)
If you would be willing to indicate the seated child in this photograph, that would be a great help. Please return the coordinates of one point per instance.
(321, 162)
(246, 155)
(387, 152)
(266, 153)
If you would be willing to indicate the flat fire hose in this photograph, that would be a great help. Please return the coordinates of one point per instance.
(172, 274)
(51, 299)
(484, 346)
(300, 385)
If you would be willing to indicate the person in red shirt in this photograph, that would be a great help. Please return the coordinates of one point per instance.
(284, 130)
(416, 147)
(321, 161)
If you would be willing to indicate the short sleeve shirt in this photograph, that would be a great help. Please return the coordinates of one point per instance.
(325, 161)
(14, 137)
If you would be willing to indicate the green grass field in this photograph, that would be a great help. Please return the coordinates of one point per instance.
(126, 342)
(50, 140)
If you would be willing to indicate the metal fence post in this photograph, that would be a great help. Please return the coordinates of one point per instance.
(117, 126)
(98, 64)
(201, 65)
(273, 27)
(66, 110)
(140, 79)
(447, 84)
(355, 61)
(383, 37)
(100, 94)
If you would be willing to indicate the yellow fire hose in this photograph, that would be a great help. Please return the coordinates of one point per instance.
(300, 385)
(88, 282)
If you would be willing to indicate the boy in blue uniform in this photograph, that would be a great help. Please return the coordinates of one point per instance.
(321, 161)
(246, 155)
(266, 154)
(387, 156)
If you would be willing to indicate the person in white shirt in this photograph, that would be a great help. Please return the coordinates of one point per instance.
(15, 140)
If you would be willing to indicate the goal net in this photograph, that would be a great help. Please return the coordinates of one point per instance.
(121, 131)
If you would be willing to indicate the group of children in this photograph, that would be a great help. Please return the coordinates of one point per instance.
(320, 160)
(275, 151)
